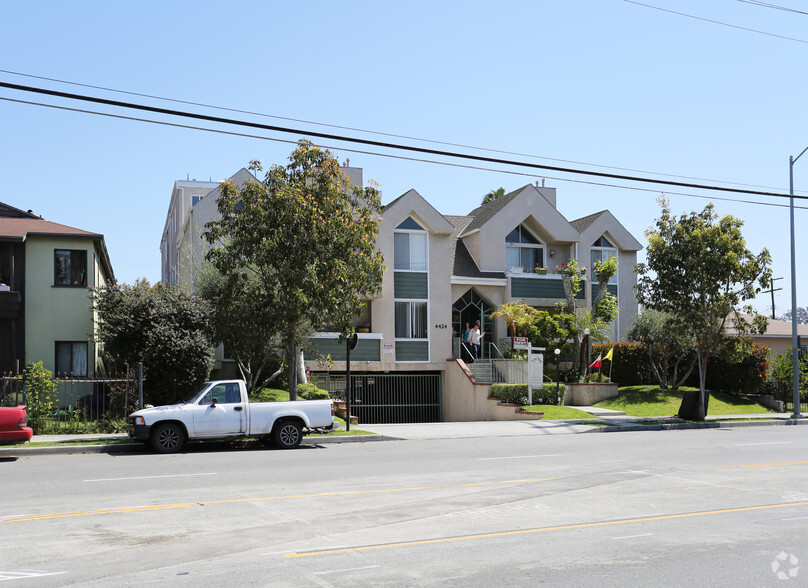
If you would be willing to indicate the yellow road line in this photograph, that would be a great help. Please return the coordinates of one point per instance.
(538, 530)
(106, 511)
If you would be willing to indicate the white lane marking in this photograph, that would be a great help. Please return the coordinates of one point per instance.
(519, 456)
(151, 477)
(795, 519)
(340, 571)
(22, 574)
(767, 443)
(633, 536)
(298, 551)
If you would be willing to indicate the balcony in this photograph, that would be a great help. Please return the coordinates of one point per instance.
(541, 287)
(368, 347)
(10, 304)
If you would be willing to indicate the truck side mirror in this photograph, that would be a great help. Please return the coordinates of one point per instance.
(213, 402)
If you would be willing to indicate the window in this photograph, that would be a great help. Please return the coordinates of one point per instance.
(69, 267)
(409, 244)
(71, 358)
(602, 250)
(523, 249)
(223, 393)
(410, 320)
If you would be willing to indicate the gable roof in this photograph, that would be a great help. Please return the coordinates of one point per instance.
(8, 211)
(19, 229)
(581, 224)
(483, 213)
(435, 221)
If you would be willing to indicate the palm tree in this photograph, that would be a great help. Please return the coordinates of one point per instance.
(493, 195)
(598, 330)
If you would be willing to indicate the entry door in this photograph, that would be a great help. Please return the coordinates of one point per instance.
(225, 416)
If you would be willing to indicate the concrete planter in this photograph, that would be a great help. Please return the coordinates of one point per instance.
(588, 394)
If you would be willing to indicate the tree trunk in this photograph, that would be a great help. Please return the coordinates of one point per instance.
(291, 354)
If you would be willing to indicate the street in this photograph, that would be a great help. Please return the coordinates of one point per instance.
(718, 507)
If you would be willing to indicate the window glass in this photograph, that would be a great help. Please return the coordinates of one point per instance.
(523, 249)
(418, 251)
(71, 358)
(409, 251)
(69, 267)
(602, 254)
(402, 250)
(411, 320)
(410, 224)
(418, 320)
(512, 257)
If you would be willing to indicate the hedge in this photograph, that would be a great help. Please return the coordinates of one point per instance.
(517, 394)
(630, 366)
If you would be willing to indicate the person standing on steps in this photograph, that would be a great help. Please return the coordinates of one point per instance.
(467, 340)
(476, 337)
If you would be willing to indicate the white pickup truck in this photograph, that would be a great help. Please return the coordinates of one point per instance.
(222, 410)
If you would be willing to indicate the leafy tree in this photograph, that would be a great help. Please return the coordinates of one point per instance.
(551, 330)
(493, 195)
(802, 316)
(699, 269)
(782, 370)
(604, 306)
(161, 326)
(304, 238)
(242, 323)
(517, 316)
(669, 344)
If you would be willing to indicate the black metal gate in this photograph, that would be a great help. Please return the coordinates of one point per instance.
(388, 398)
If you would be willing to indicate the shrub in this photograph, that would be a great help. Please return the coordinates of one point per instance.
(517, 394)
(41, 391)
(746, 376)
(629, 365)
(310, 391)
(269, 395)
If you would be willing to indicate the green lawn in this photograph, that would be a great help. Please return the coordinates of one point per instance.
(554, 413)
(651, 401)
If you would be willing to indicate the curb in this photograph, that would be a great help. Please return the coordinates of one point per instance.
(688, 426)
(22, 451)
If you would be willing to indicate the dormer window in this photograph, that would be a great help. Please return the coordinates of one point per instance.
(410, 246)
(523, 249)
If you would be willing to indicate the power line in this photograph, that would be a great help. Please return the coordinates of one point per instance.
(386, 145)
(774, 6)
(402, 157)
(393, 135)
(726, 24)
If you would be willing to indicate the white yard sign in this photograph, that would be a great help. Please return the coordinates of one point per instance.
(535, 370)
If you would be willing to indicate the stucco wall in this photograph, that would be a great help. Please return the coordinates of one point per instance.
(57, 313)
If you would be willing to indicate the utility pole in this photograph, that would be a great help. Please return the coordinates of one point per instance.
(773, 290)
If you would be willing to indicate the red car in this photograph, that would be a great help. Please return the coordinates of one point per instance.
(12, 425)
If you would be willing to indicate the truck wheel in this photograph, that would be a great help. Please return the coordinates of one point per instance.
(287, 434)
(168, 438)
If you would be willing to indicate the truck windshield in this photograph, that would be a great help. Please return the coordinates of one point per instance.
(194, 395)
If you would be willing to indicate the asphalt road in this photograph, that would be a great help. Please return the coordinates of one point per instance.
(723, 507)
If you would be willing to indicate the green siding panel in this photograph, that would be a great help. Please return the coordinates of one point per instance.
(410, 285)
(612, 288)
(412, 350)
(540, 288)
(366, 349)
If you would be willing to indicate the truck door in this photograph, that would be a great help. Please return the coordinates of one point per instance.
(221, 411)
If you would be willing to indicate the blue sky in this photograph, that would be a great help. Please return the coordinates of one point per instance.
(602, 83)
